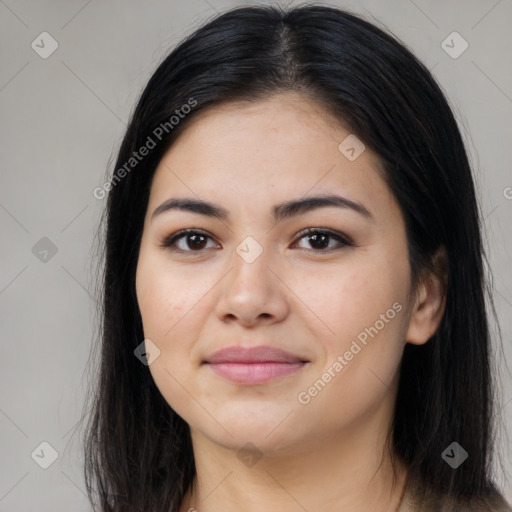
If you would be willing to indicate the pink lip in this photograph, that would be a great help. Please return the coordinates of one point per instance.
(253, 365)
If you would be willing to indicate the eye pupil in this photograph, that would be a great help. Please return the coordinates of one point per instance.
(196, 237)
(315, 240)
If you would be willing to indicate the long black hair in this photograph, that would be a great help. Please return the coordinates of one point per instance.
(138, 450)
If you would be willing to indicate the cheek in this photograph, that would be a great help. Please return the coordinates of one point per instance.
(344, 302)
(168, 303)
(362, 312)
(361, 352)
(165, 296)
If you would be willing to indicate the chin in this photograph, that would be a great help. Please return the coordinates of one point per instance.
(270, 433)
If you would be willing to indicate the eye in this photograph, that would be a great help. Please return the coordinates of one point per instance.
(196, 241)
(320, 238)
(191, 237)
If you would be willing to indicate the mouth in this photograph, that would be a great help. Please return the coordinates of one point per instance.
(255, 365)
(254, 373)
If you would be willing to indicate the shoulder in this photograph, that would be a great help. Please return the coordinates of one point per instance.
(417, 500)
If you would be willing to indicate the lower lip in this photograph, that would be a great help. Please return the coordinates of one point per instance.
(254, 373)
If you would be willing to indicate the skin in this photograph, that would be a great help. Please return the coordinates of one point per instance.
(328, 454)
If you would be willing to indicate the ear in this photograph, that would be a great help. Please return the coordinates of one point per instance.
(430, 303)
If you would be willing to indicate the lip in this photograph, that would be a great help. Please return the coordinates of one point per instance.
(254, 365)
(259, 354)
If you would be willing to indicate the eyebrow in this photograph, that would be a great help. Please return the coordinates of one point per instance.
(280, 211)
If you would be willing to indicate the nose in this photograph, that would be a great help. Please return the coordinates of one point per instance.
(253, 292)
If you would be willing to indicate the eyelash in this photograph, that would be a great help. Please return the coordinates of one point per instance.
(170, 241)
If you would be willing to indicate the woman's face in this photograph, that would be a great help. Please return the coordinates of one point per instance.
(251, 278)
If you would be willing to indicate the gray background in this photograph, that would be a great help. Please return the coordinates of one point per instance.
(62, 119)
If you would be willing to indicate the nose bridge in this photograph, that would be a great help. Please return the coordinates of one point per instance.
(251, 263)
(251, 288)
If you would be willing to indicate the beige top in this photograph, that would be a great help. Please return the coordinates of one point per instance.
(412, 503)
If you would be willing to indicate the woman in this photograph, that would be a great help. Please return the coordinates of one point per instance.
(294, 307)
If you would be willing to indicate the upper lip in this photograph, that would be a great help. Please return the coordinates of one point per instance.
(259, 354)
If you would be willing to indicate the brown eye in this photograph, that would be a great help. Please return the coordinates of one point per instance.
(319, 240)
(193, 241)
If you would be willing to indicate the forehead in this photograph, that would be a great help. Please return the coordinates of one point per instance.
(286, 145)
